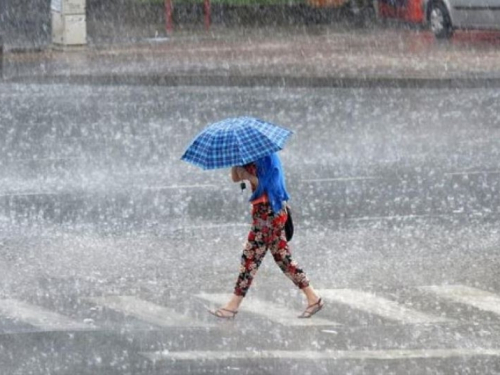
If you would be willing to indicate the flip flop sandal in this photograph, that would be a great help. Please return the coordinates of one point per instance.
(219, 313)
(312, 309)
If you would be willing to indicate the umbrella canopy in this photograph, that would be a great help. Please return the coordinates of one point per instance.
(235, 141)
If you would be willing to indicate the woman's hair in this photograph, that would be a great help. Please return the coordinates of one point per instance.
(271, 181)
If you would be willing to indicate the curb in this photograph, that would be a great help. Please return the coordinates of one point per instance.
(264, 81)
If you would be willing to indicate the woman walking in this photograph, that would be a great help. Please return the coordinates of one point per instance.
(267, 233)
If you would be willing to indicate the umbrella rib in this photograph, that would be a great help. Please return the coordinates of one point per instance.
(213, 140)
(241, 148)
(238, 146)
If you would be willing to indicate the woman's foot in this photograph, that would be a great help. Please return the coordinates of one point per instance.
(223, 313)
(312, 309)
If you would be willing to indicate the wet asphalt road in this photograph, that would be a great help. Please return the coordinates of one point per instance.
(393, 190)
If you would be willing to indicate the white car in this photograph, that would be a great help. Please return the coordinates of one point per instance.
(444, 16)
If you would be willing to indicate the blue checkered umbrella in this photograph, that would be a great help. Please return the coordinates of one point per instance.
(235, 141)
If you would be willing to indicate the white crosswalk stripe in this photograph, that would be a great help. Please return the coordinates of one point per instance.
(379, 306)
(147, 311)
(268, 310)
(45, 320)
(151, 313)
(477, 298)
(318, 355)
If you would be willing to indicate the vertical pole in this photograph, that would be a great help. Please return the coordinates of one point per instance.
(376, 8)
(168, 16)
(207, 15)
(1, 55)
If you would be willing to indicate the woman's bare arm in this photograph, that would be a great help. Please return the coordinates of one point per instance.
(235, 176)
(240, 174)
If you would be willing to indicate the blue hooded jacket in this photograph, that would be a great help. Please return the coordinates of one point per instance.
(271, 181)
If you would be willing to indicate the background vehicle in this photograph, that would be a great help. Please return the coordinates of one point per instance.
(444, 16)
(360, 10)
(410, 11)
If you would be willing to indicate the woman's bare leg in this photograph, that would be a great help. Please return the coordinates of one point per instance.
(231, 307)
(311, 295)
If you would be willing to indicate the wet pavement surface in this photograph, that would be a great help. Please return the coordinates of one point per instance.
(111, 248)
(271, 56)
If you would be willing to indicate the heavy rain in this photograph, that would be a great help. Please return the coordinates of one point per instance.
(117, 257)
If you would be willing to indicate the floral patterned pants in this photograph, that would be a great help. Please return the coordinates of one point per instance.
(267, 233)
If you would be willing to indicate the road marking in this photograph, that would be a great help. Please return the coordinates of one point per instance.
(318, 355)
(341, 179)
(153, 188)
(268, 310)
(32, 194)
(30, 160)
(465, 173)
(376, 305)
(180, 187)
(147, 311)
(213, 226)
(400, 217)
(39, 317)
(480, 299)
